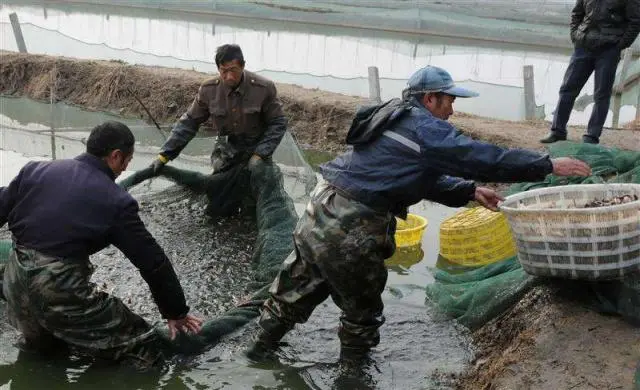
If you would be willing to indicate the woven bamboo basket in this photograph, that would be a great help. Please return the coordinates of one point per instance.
(556, 236)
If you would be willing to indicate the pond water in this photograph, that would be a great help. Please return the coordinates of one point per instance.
(419, 349)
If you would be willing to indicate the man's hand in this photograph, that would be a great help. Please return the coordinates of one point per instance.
(187, 324)
(566, 166)
(488, 198)
(254, 160)
(158, 164)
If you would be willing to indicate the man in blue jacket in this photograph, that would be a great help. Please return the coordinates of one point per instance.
(403, 151)
(61, 212)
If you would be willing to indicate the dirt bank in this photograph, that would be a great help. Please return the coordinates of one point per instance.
(543, 342)
(319, 119)
(549, 342)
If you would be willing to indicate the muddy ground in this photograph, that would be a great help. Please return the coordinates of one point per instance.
(544, 342)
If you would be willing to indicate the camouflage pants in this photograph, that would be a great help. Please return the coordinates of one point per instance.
(340, 247)
(230, 190)
(49, 301)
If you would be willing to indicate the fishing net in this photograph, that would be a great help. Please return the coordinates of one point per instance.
(265, 190)
(276, 218)
(609, 165)
(473, 296)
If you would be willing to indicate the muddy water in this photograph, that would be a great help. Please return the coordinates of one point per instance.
(212, 257)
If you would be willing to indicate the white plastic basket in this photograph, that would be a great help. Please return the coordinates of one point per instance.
(556, 236)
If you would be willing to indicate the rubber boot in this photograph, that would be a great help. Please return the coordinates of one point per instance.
(265, 343)
(354, 356)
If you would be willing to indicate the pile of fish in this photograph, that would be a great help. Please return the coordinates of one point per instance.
(611, 202)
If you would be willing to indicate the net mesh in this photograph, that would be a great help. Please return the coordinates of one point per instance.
(266, 190)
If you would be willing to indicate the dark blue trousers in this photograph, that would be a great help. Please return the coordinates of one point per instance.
(584, 62)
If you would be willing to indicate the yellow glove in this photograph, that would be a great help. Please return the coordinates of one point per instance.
(158, 164)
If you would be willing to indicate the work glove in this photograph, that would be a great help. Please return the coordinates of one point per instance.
(158, 164)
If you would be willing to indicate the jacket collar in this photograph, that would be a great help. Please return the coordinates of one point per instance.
(97, 163)
(417, 104)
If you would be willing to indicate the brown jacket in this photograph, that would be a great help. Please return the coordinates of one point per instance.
(250, 115)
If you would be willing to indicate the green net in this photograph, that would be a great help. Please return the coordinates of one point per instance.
(609, 165)
(475, 295)
(276, 218)
(265, 190)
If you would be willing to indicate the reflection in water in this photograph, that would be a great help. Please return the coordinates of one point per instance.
(404, 258)
(33, 371)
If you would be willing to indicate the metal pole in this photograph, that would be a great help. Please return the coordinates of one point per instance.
(148, 113)
(17, 32)
(529, 93)
(51, 105)
(374, 84)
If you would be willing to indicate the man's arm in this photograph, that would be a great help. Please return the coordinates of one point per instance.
(452, 191)
(632, 11)
(276, 124)
(134, 240)
(577, 15)
(8, 197)
(451, 153)
(186, 127)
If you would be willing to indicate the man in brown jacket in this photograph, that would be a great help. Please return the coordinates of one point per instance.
(244, 109)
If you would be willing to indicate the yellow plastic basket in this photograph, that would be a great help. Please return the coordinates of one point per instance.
(409, 232)
(476, 237)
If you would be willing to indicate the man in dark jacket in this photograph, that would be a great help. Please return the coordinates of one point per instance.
(402, 152)
(245, 111)
(600, 30)
(61, 212)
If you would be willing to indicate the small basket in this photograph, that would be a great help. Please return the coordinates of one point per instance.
(556, 236)
(476, 237)
(409, 232)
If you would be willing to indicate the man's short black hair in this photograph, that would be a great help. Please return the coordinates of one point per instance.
(110, 136)
(228, 53)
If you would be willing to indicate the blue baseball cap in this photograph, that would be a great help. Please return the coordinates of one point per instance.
(432, 79)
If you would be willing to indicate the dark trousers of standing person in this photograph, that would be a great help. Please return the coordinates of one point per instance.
(603, 63)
